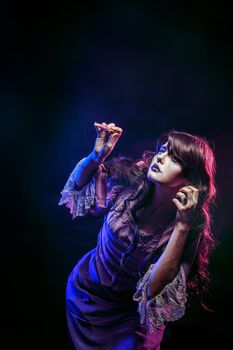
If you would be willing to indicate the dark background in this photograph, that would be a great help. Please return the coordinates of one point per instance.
(148, 67)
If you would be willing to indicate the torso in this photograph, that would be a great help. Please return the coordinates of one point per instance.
(149, 220)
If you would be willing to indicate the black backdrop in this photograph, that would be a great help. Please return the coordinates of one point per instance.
(146, 66)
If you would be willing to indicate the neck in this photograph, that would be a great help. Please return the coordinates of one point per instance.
(162, 197)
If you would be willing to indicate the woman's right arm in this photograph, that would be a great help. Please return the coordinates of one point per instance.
(85, 189)
(86, 169)
(107, 137)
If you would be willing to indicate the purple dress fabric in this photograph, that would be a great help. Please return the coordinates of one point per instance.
(107, 308)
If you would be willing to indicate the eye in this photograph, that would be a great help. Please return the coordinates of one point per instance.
(174, 159)
(161, 150)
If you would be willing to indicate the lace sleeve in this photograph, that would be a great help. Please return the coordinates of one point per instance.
(90, 199)
(102, 190)
(168, 305)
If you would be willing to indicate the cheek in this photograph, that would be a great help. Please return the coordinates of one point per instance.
(173, 172)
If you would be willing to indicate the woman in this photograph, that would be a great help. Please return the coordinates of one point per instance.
(153, 248)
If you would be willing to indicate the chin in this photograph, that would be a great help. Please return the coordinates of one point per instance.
(162, 184)
(152, 176)
(155, 181)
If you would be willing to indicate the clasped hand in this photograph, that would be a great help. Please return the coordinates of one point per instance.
(186, 206)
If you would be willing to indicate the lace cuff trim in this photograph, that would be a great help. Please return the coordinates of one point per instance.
(79, 202)
(168, 305)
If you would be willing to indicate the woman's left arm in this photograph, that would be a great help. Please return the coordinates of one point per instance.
(161, 293)
(168, 265)
(168, 302)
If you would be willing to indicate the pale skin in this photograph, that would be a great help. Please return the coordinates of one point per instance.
(169, 184)
(172, 188)
(170, 181)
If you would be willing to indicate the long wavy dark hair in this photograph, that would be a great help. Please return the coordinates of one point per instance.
(197, 159)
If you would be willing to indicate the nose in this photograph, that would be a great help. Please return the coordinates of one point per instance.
(160, 157)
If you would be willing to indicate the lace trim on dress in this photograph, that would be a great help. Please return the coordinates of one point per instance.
(168, 305)
(79, 202)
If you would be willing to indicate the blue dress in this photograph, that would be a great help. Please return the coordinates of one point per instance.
(106, 303)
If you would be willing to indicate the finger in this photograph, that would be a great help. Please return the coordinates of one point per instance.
(116, 128)
(178, 204)
(187, 191)
(181, 194)
(98, 131)
(183, 198)
(108, 128)
(192, 188)
(196, 195)
(192, 193)
(102, 127)
(106, 125)
(102, 133)
(113, 128)
(113, 138)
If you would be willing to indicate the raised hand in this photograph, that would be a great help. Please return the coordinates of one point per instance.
(186, 205)
(107, 137)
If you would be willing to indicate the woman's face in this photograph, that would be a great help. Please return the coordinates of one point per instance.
(170, 174)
